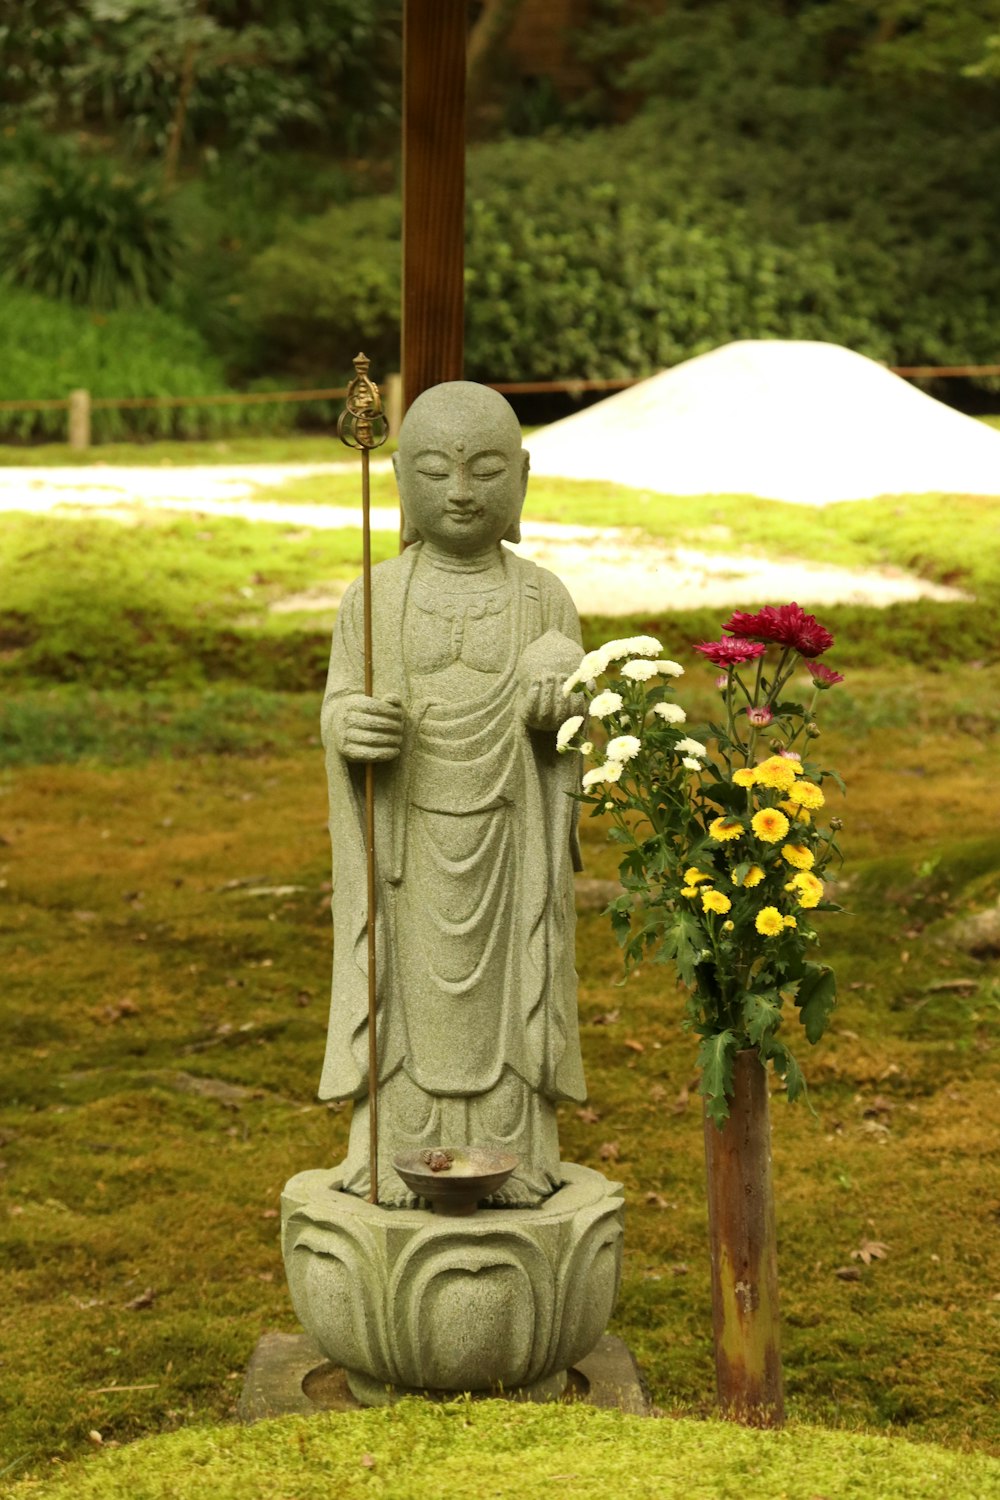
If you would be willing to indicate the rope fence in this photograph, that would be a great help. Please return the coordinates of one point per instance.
(80, 403)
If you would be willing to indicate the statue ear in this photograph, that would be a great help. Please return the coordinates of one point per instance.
(513, 532)
(410, 533)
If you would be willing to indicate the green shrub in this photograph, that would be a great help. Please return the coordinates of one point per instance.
(627, 249)
(330, 286)
(51, 348)
(85, 232)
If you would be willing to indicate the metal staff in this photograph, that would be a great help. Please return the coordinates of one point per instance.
(362, 425)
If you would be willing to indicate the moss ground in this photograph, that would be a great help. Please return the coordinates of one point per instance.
(164, 927)
(467, 1451)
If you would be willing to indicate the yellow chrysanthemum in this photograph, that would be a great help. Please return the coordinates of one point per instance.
(798, 856)
(795, 812)
(769, 824)
(769, 922)
(745, 777)
(728, 926)
(715, 901)
(808, 888)
(753, 877)
(807, 794)
(723, 829)
(790, 922)
(779, 772)
(690, 891)
(692, 875)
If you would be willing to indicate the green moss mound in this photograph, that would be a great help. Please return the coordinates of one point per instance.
(463, 1450)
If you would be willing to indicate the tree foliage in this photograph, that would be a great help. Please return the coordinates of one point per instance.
(261, 73)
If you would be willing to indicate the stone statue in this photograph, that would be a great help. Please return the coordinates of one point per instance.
(475, 846)
(475, 831)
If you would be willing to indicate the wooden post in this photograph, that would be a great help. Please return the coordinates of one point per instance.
(79, 419)
(744, 1252)
(394, 402)
(434, 42)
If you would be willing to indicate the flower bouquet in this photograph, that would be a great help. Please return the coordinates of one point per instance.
(725, 843)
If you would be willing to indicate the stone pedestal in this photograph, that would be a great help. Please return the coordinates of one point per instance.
(404, 1300)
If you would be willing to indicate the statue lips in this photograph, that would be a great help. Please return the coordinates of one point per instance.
(464, 513)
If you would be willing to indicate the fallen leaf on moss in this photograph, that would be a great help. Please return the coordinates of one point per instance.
(368, 1460)
(847, 1273)
(870, 1250)
(608, 1018)
(144, 1299)
(657, 1200)
(610, 1151)
(634, 1046)
(588, 1115)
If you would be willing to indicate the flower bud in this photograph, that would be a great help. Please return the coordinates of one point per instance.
(776, 747)
(836, 824)
(812, 729)
(760, 716)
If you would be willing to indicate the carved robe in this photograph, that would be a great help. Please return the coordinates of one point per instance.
(475, 850)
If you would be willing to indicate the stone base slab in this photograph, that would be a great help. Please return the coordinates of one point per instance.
(288, 1376)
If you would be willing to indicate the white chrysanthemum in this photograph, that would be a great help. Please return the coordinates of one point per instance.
(670, 713)
(590, 667)
(692, 764)
(624, 748)
(587, 748)
(691, 747)
(611, 771)
(643, 671)
(567, 730)
(640, 670)
(633, 645)
(605, 703)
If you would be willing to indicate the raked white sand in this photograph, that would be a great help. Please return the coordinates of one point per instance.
(808, 423)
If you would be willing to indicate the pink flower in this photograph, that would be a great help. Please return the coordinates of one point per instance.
(786, 625)
(824, 677)
(731, 653)
(759, 717)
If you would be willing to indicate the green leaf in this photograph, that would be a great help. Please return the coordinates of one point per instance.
(787, 1068)
(682, 941)
(716, 1056)
(761, 1017)
(817, 995)
(726, 795)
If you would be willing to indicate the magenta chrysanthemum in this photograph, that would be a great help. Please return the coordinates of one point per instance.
(785, 624)
(824, 677)
(731, 653)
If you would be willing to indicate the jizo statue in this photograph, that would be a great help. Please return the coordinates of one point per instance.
(475, 835)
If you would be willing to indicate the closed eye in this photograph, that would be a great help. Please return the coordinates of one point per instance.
(433, 473)
(487, 473)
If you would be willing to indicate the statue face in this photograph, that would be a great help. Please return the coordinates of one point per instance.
(461, 469)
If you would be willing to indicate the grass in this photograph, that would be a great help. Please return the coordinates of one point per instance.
(164, 910)
(166, 600)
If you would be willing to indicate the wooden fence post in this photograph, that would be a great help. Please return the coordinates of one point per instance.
(79, 419)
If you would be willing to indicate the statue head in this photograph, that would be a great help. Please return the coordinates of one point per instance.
(461, 469)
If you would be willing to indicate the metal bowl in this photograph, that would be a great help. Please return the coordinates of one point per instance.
(475, 1173)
